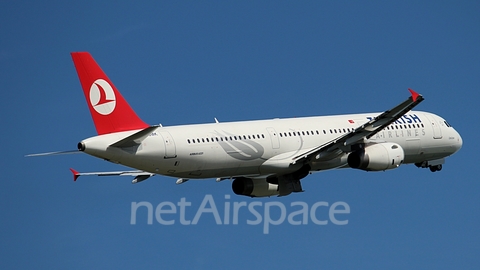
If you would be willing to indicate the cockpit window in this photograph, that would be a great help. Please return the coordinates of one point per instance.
(446, 123)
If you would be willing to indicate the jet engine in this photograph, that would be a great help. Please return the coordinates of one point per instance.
(377, 157)
(254, 187)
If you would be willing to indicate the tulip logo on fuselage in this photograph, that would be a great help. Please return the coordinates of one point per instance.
(102, 97)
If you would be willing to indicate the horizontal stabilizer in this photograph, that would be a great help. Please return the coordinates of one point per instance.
(135, 139)
(54, 153)
(144, 174)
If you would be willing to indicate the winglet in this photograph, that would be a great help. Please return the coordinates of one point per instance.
(75, 174)
(414, 94)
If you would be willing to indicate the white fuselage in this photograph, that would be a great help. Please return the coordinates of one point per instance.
(224, 150)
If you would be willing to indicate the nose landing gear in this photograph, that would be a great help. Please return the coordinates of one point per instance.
(435, 168)
(433, 165)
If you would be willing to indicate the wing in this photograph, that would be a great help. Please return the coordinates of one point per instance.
(139, 175)
(365, 131)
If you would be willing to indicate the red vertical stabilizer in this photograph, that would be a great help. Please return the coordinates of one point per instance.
(110, 111)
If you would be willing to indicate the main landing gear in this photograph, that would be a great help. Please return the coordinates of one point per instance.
(434, 166)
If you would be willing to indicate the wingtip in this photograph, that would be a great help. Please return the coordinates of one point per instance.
(415, 95)
(75, 174)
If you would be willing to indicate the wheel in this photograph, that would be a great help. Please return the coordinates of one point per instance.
(436, 168)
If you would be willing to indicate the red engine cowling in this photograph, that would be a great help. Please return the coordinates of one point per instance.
(377, 157)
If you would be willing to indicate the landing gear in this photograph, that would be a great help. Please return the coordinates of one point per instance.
(433, 165)
(435, 168)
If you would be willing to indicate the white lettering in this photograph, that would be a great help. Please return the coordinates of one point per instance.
(159, 211)
(236, 208)
(133, 215)
(255, 213)
(313, 216)
(182, 204)
(303, 211)
(273, 212)
(333, 211)
(202, 209)
(226, 211)
(267, 220)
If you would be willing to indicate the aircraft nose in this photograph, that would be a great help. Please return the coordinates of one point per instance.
(459, 142)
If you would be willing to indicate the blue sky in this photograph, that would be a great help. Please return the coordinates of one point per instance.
(188, 62)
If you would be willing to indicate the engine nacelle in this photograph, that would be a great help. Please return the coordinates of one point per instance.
(377, 157)
(254, 188)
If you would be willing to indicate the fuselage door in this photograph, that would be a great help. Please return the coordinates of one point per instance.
(274, 138)
(170, 150)
(437, 132)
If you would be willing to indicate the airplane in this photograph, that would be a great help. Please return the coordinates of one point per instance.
(263, 157)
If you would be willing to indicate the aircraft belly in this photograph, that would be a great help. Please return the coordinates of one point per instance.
(212, 162)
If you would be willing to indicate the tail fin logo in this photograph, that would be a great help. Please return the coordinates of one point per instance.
(102, 97)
